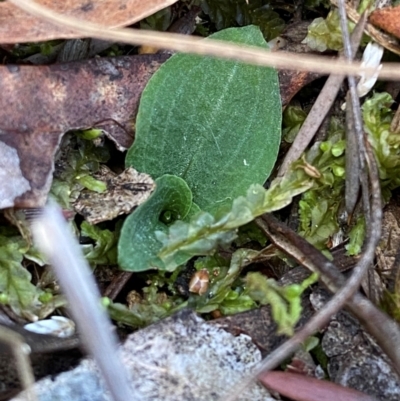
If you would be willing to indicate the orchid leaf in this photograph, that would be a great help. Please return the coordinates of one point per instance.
(214, 123)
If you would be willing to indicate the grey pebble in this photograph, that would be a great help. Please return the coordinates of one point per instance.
(181, 358)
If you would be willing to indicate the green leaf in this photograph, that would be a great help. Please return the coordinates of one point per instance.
(324, 34)
(318, 208)
(91, 183)
(285, 301)
(205, 232)
(377, 116)
(141, 314)
(356, 236)
(104, 252)
(138, 245)
(90, 134)
(293, 118)
(220, 294)
(15, 281)
(214, 123)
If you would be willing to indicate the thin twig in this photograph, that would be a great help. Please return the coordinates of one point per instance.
(190, 44)
(320, 108)
(21, 352)
(54, 239)
(377, 323)
(356, 115)
(385, 330)
(117, 284)
(352, 161)
(384, 39)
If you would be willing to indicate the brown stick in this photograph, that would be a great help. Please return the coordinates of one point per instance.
(377, 323)
(215, 48)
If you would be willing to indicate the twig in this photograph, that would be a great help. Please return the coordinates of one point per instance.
(352, 161)
(380, 37)
(190, 44)
(117, 284)
(21, 352)
(53, 238)
(360, 175)
(377, 323)
(320, 108)
(385, 330)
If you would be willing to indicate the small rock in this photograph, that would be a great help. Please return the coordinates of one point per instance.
(182, 358)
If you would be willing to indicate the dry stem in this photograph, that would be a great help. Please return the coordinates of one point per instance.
(190, 44)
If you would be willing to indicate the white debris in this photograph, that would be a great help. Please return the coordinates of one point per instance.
(371, 58)
(58, 326)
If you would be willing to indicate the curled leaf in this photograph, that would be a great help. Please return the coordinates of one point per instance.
(138, 245)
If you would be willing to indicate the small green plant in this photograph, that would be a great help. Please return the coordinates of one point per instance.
(16, 289)
(213, 128)
(325, 33)
(285, 301)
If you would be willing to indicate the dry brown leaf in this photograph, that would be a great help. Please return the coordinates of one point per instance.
(303, 388)
(17, 26)
(387, 19)
(195, 45)
(43, 102)
(291, 82)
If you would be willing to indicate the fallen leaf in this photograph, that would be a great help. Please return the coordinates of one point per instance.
(387, 19)
(303, 388)
(43, 102)
(17, 26)
(98, 92)
(291, 82)
(124, 192)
